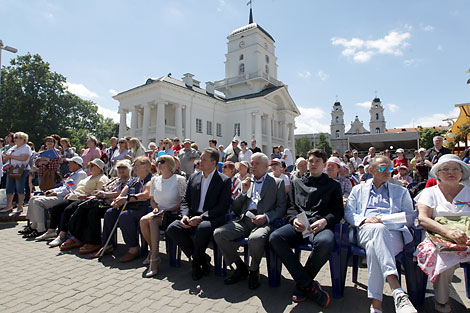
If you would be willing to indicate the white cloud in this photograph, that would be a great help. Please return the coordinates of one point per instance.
(112, 92)
(305, 74)
(365, 104)
(392, 107)
(435, 119)
(109, 113)
(221, 6)
(427, 28)
(80, 90)
(362, 50)
(409, 62)
(440, 48)
(322, 75)
(408, 27)
(311, 121)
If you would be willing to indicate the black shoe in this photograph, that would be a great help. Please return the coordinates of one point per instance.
(241, 272)
(299, 295)
(197, 271)
(25, 230)
(206, 266)
(253, 280)
(320, 296)
(33, 234)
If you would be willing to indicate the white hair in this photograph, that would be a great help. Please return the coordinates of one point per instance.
(263, 157)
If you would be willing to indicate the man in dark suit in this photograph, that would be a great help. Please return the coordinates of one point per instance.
(260, 203)
(205, 203)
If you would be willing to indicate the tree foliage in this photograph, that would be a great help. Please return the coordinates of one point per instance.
(302, 146)
(34, 100)
(426, 135)
(323, 144)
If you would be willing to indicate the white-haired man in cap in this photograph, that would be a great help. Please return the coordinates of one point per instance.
(232, 151)
(37, 204)
(187, 156)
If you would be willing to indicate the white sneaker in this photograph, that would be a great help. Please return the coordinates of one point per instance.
(46, 236)
(56, 242)
(403, 304)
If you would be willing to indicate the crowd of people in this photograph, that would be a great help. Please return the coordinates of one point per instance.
(239, 192)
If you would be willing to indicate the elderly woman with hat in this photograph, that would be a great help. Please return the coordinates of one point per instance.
(333, 166)
(243, 169)
(62, 212)
(440, 209)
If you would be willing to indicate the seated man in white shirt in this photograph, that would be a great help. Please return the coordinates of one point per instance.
(368, 207)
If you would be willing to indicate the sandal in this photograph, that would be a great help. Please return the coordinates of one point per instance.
(156, 263)
(70, 244)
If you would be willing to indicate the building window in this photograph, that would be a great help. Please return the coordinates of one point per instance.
(218, 129)
(209, 127)
(376, 116)
(377, 130)
(267, 59)
(337, 134)
(241, 57)
(198, 125)
(236, 129)
(267, 69)
(337, 119)
(241, 69)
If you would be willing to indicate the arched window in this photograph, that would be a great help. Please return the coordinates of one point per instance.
(376, 116)
(267, 69)
(337, 119)
(267, 59)
(377, 130)
(241, 57)
(337, 134)
(241, 69)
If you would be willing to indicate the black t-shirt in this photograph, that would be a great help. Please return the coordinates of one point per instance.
(256, 149)
(136, 185)
(433, 155)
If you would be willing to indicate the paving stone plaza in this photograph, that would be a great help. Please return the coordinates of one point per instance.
(36, 278)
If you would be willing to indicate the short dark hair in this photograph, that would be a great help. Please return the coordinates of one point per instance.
(214, 154)
(213, 141)
(318, 153)
(243, 142)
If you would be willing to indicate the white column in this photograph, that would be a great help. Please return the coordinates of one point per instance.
(134, 121)
(187, 126)
(269, 127)
(160, 133)
(146, 125)
(258, 137)
(247, 133)
(122, 123)
(285, 133)
(179, 122)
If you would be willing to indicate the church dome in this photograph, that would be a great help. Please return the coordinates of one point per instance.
(249, 27)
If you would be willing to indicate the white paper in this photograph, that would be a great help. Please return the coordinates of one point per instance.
(393, 221)
(302, 217)
(250, 214)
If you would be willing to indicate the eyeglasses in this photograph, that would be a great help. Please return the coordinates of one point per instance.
(49, 140)
(161, 162)
(122, 168)
(176, 140)
(450, 169)
(122, 142)
(383, 168)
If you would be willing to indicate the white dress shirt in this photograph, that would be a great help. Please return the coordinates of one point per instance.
(204, 186)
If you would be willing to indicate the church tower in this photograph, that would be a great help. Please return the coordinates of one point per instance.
(251, 63)
(338, 139)
(377, 119)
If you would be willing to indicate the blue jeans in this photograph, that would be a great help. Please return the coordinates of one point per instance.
(283, 241)
(17, 185)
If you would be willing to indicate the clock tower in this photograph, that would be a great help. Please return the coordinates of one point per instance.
(251, 64)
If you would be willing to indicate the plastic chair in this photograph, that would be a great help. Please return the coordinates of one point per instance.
(466, 269)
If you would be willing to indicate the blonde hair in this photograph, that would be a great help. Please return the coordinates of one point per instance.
(136, 144)
(170, 161)
(22, 136)
(143, 160)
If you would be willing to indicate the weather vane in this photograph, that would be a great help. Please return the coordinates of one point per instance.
(250, 3)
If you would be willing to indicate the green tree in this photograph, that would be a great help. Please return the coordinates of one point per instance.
(302, 146)
(426, 135)
(34, 100)
(323, 144)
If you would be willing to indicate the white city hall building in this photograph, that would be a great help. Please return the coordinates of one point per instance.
(250, 102)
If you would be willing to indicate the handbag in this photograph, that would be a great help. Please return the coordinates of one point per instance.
(16, 172)
(48, 180)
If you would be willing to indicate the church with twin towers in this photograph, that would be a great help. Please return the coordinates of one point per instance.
(250, 102)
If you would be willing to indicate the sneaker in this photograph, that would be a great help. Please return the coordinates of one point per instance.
(299, 295)
(56, 242)
(320, 296)
(46, 236)
(403, 304)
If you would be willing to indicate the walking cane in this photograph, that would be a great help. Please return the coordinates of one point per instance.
(113, 230)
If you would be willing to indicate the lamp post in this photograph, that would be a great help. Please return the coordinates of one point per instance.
(9, 49)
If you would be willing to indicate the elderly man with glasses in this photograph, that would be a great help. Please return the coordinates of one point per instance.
(369, 210)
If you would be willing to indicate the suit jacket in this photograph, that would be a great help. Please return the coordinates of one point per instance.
(218, 197)
(272, 202)
(400, 201)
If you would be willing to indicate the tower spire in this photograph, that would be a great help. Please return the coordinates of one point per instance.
(250, 20)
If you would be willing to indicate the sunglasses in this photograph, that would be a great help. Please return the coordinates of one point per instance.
(122, 168)
(49, 140)
(383, 168)
(122, 142)
(161, 162)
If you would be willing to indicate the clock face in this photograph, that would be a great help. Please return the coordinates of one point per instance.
(241, 44)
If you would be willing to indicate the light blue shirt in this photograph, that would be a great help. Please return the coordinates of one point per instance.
(64, 190)
(256, 194)
(379, 201)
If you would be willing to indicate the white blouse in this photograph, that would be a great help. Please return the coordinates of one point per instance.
(167, 193)
(435, 199)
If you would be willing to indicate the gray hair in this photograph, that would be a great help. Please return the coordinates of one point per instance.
(125, 163)
(263, 157)
(438, 137)
(373, 162)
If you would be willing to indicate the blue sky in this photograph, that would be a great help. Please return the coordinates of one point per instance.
(413, 54)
